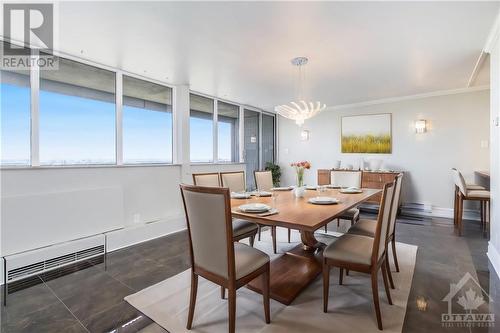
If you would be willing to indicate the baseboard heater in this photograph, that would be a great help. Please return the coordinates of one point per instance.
(28, 264)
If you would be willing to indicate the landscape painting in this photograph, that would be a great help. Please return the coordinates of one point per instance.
(370, 134)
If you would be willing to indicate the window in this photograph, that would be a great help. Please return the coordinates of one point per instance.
(77, 115)
(15, 101)
(251, 145)
(201, 128)
(147, 122)
(227, 132)
(267, 139)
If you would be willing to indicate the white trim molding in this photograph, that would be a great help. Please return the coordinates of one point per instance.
(494, 257)
(416, 209)
(493, 36)
(409, 97)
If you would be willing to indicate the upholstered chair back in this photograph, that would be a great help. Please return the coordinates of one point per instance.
(264, 180)
(459, 180)
(208, 216)
(235, 181)
(395, 203)
(206, 179)
(383, 220)
(346, 178)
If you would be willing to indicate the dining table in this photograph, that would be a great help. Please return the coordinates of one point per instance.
(294, 270)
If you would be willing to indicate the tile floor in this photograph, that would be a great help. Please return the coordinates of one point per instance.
(91, 299)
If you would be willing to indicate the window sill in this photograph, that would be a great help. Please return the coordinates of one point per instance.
(85, 166)
(217, 163)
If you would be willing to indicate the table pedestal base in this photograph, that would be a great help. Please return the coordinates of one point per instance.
(293, 271)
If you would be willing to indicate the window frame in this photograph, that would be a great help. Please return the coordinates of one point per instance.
(35, 121)
(119, 153)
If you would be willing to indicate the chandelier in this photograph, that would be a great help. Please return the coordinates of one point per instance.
(300, 110)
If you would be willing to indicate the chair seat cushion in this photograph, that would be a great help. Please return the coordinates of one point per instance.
(364, 227)
(478, 194)
(350, 248)
(241, 227)
(351, 214)
(247, 259)
(474, 187)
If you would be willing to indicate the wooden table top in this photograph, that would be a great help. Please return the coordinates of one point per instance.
(297, 213)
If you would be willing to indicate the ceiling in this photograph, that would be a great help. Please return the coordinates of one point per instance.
(358, 51)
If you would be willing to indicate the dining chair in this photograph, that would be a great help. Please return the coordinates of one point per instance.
(264, 182)
(362, 254)
(346, 178)
(206, 179)
(214, 256)
(234, 180)
(368, 227)
(241, 228)
(464, 191)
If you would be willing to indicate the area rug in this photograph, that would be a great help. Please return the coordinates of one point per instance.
(350, 305)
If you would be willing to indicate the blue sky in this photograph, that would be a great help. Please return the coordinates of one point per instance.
(81, 130)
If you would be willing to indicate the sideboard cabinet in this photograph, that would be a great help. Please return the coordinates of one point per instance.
(369, 179)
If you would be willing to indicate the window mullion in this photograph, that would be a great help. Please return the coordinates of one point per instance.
(119, 118)
(215, 133)
(35, 114)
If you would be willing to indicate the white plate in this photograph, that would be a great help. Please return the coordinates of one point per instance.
(254, 208)
(310, 187)
(263, 193)
(323, 201)
(351, 190)
(332, 186)
(286, 188)
(235, 195)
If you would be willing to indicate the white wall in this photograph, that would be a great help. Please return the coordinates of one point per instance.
(151, 192)
(148, 193)
(494, 245)
(457, 125)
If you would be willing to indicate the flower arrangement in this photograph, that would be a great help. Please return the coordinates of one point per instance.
(299, 170)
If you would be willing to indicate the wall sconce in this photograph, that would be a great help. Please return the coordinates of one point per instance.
(304, 135)
(421, 126)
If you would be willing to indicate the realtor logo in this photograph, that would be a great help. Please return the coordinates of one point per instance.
(471, 302)
(28, 26)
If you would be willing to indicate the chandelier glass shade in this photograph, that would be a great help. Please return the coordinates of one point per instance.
(300, 110)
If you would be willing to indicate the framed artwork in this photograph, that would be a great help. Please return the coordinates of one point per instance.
(369, 134)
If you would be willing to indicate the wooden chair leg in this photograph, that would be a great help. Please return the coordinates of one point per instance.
(481, 213)
(326, 286)
(265, 294)
(192, 300)
(252, 240)
(273, 235)
(460, 214)
(394, 253)
(455, 208)
(232, 309)
(375, 299)
(289, 234)
(326, 227)
(341, 275)
(389, 274)
(222, 292)
(338, 223)
(259, 231)
(346, 272)
(386, 283)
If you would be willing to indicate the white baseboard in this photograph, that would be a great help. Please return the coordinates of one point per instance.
(435, 211)
(136, 234)
(494, 257)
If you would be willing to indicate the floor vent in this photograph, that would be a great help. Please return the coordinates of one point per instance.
(26, 268)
